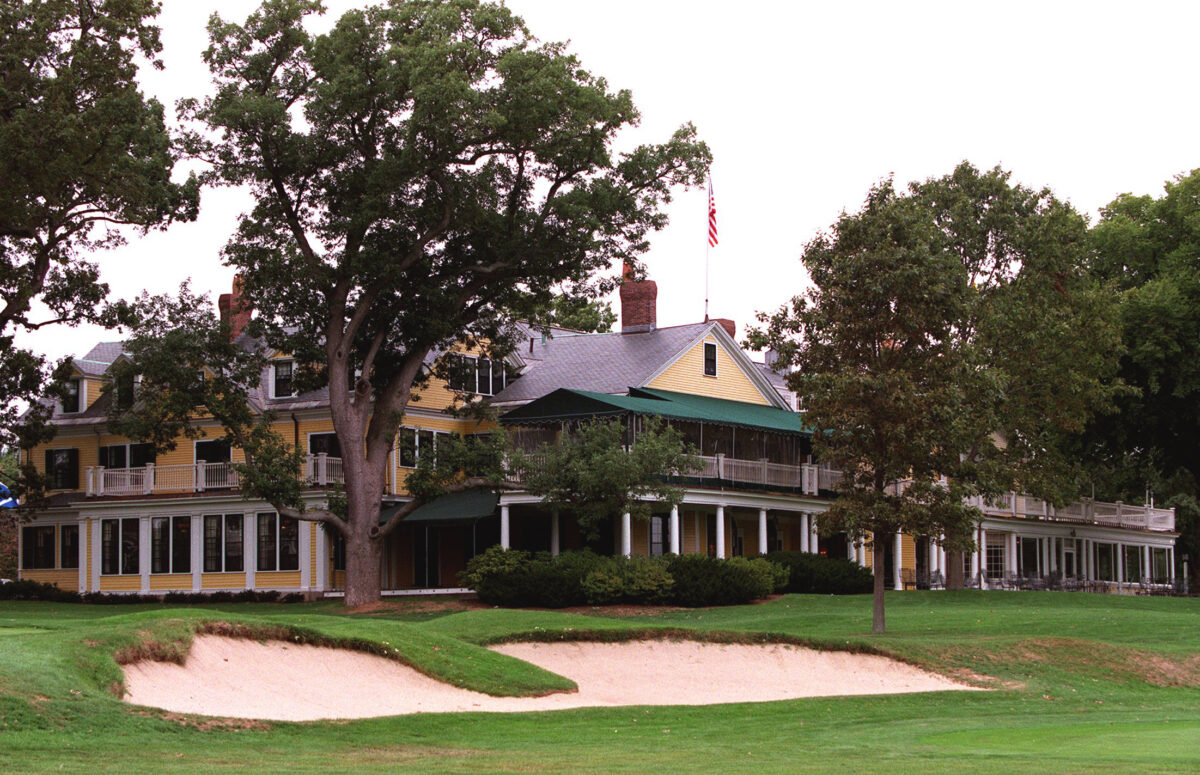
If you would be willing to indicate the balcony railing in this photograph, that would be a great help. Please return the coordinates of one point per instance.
(1085, 511)
(319, 470)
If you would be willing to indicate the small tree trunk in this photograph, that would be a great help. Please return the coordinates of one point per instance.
(954, 570)
(363, 561)
(877, 563)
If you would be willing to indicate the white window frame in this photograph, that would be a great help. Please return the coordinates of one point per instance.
(195, 447)
(128, 445)
(221, 553)
(275, 365)
(171, 545)
(80, 396)
(308, 439)
(278, 544)
(475, 361)
(121, 570)
(416, 444)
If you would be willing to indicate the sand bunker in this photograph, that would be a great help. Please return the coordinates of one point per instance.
(288, 682)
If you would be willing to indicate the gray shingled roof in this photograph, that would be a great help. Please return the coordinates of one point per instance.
(99, 358)
(601, 363)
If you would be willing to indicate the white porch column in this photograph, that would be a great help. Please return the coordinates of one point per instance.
(321, 574)
(1012, 553)
(97, 556)
(851, 549)
(305, 547)
(721, 532)
(554, 534)
(83, 548)
(144, 553)
(897, 560)
(1171, 563)
(626, 535)
(504, 528)
(983, 568)
(1086, 561)
(931, 557)
(762, 531)
(676, 544)
(862, 552)
(975, 561)
(1146, 574)
(814, 538)
(198, 550)
(804, 533)
(250, 547)
(941, 553)
(1120, 564)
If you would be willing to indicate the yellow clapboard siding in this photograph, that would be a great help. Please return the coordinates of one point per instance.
(63, 579)
(908, 551)
(273, 579)
(169, 581)
(223, 581)
(120, 583)
(686, 375)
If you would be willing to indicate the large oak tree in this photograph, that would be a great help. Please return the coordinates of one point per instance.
(423, 173)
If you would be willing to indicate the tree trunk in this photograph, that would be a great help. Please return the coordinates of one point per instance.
(954, 570)
(878, 550)
(363, 562)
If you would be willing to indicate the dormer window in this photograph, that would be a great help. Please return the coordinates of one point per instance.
(281, 379)
(710, 359)
(70, 401)
(125, 388)
(469, 374)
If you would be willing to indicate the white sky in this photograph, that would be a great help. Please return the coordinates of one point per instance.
(805, 105)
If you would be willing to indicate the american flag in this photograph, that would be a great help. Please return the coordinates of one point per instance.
(712, 217)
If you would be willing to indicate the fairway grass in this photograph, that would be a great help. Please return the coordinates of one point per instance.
(1081, 683)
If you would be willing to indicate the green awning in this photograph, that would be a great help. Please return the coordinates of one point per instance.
(452, 507)
(566, 404)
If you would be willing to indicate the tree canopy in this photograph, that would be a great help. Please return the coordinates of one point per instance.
(950, 343)
(1150, 249)
(423, 173)
(82, 152)
(593, 473)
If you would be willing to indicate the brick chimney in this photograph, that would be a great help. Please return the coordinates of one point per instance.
(234, 310)
(639, 303)
(729, 326)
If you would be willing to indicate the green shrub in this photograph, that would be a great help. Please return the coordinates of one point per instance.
(818, 574)
(25, 589)
(701, 580)
(638, 580)
(499, 576)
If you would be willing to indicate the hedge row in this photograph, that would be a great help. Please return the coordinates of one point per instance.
(33, 590)
(516, 578)
(820, 575)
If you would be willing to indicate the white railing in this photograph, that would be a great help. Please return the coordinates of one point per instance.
(319, 470)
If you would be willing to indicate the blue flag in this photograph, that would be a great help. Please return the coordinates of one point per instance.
(7, 501)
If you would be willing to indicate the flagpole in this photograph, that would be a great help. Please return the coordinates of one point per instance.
(707, 243)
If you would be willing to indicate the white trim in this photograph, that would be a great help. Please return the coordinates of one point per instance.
(704, 359)
(271, 378)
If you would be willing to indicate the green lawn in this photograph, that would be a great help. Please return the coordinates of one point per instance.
(1086, 683)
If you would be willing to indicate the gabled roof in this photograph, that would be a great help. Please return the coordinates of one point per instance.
(611, 363)
(565, 405)
(99, 358)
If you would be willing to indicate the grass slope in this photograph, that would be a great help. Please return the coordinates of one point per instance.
(1086, 682)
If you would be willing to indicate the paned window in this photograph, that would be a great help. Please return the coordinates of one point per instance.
(70, 401)
(213, 451)
(62, 469)
(278, 543)
(326, 443)
(126, 455)
(281, 379)
(415, 443)
(660, 535)
(710, 359)
(995, 561)
(471, 374)
(68, 543)
(171, 545)
(223, 543)
(120, 546)
(37, 547)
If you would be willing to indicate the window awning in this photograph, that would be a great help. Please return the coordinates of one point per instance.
(452, 507)
(565, 404)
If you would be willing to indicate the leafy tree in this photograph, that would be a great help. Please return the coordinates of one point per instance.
(931, 353)
(423, 173)
(1150, 248)
(9, 475)
(82, 151)
(593, 474)
(578, 314)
